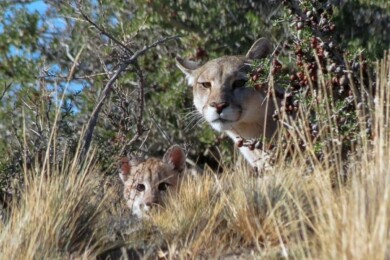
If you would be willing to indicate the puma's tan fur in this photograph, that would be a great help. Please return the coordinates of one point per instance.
(146, 183)
(223, 98)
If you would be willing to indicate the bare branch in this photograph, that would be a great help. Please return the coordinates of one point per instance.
(95, 113)
(103, 31)
(132, 60)
(148, 47)
(107, 89)
(139, 123)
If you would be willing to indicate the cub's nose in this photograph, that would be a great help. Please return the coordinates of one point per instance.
(219, 106)
(152, 203)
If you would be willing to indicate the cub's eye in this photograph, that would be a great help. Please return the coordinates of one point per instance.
(205, 84)
(163, 186)
(140, 187)
(239, 83)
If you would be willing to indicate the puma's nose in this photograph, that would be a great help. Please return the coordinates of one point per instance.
(219, 106)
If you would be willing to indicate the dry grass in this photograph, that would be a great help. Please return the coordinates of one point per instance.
(287, 214)
(235, 215)
(57, 213)
(55, 217)
(355, 222)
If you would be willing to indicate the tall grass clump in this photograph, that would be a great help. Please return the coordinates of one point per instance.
(54, 211)
(54, 217)
(355, 222)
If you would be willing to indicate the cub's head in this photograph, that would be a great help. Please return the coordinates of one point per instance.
(146, 183)
(219, 87)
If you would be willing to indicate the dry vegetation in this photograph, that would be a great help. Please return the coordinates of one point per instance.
(289, 213)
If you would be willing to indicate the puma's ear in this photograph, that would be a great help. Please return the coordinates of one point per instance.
(187, 67)
(175, 157)
(260, 49)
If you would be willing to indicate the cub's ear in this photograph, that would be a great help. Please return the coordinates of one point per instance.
(124, 169)
(187, 67)
(175, 157)
(126, 165)
(260, 49)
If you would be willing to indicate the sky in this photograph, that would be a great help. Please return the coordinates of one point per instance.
(39, 6)
(55, 24)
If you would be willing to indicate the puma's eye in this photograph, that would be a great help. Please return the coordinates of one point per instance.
(140, 187)
(239, 83)
(205, 84)
(163, 186)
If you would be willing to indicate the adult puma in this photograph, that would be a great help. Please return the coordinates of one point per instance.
(147, 182)
(223, 98)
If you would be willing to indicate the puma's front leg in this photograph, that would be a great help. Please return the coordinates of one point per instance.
(257, 158)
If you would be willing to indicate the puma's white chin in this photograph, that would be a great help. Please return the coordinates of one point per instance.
(222, 121)
(222, 124)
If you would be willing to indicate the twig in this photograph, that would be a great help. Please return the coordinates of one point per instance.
(75, 64)
(6, 87)
(102, 31)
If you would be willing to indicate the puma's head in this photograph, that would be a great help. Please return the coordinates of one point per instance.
(222, 96)
(146, 183)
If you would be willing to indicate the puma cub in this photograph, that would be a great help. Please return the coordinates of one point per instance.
(146, 183)
(222, 97)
